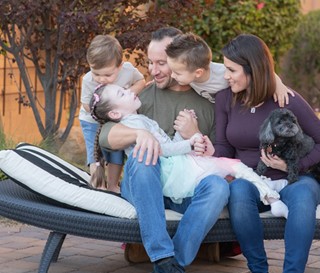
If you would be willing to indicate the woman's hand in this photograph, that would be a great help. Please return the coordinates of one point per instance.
(186, 124)
(146, 143)
(273, 161)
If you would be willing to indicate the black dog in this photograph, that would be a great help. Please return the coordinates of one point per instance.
(281, 135)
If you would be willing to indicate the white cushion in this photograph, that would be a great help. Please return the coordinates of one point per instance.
(172, 215)
(50, 176)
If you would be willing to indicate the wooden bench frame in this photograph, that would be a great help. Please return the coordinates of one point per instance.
(24, 206)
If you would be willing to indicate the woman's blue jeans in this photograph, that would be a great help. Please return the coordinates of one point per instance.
(141, 186)
(301, 197)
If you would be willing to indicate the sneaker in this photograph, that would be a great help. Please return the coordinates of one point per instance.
(168, 265)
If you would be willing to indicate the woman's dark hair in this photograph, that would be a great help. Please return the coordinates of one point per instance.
(254, 56)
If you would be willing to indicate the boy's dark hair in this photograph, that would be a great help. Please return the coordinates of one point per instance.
(191, 50)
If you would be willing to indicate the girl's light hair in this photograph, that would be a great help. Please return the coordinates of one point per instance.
(103, 51)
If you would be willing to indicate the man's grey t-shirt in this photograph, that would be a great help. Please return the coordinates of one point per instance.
(164, 105)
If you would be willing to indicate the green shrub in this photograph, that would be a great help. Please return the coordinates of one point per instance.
(303, 60)
(275, 21)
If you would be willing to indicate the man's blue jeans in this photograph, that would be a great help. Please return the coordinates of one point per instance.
(301, 197)
(141, 186)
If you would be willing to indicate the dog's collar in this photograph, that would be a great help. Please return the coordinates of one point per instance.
(273, 148)
(269, 148)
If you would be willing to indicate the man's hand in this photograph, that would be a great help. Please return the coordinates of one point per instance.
(186, 124)
(146, 143)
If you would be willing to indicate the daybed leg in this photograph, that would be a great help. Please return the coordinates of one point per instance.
(51, 250)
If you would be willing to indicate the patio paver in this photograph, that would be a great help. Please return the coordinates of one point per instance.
(21, 247)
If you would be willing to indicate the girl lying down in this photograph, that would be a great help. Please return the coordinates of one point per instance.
(182, 168)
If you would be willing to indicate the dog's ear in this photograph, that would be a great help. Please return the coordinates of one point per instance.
(266, 134)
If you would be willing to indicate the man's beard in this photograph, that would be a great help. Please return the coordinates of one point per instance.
(171, 82)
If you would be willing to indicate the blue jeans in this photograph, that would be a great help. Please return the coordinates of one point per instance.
(89, 131)
(301, 197)
(141, 186)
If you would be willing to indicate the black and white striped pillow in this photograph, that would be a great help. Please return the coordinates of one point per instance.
(48, 175)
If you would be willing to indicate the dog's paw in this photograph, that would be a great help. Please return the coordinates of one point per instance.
(261, 168)
(292, 177)
(293, 171)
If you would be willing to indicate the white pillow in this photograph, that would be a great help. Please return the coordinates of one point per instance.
(50, 176)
